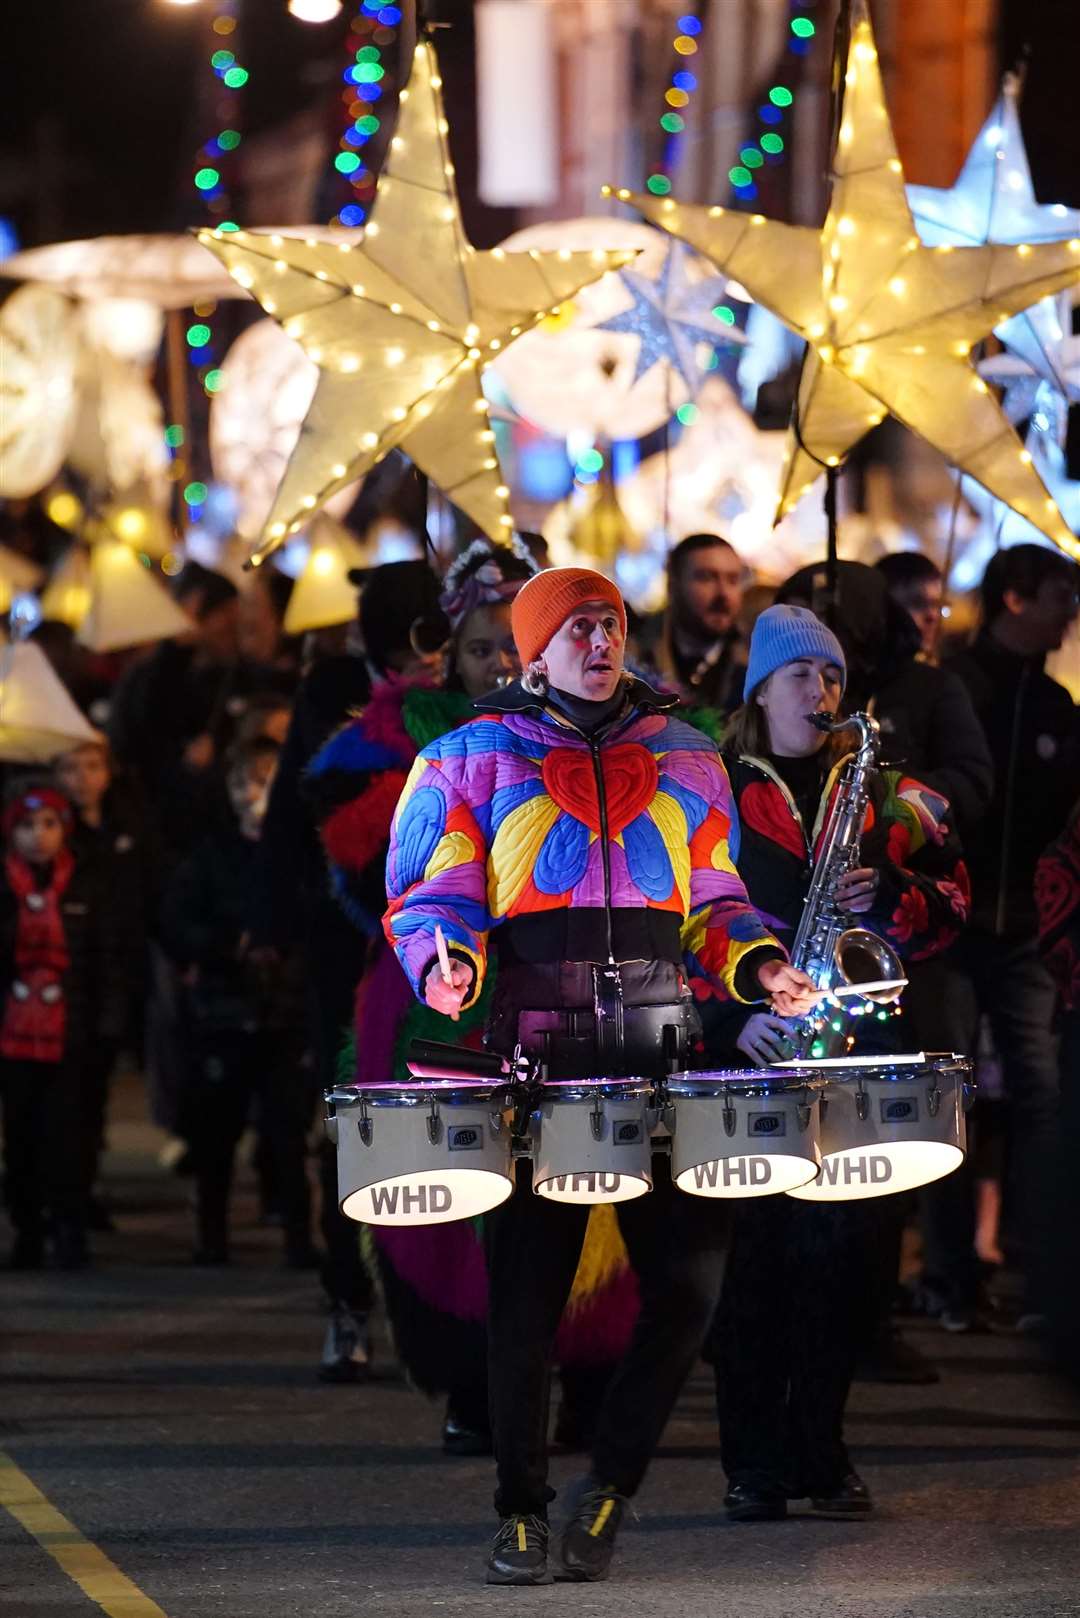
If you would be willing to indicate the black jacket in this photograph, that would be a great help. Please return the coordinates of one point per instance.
(125, 856)
(1032, 726)
(714, 681)
(929, 726)
(293, 896)
(205, 916)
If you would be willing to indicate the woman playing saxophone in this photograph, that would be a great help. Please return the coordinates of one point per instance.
(785, 1335)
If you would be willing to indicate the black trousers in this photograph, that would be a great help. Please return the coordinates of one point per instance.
(333, 973)
(42, 1143)
(676, 1245)
(230, 1069)
(98, 1064)
(784, 1342)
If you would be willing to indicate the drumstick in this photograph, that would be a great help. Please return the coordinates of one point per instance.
(444, 956)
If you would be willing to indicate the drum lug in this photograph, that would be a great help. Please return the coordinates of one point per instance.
(495, 1122)
(364, 1125)
(731, 1118)
(968, 1090)
(596, 1121)
(933, 1101)
(434, 1124)
(803, 1113)
(862, 1105)
(667, 1115)
(330, 1122)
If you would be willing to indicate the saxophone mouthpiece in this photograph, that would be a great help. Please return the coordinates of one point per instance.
(821, 721)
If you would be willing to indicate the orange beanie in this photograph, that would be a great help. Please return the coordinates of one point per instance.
(545, 602)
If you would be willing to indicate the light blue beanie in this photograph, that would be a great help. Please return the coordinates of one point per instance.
(783, 634)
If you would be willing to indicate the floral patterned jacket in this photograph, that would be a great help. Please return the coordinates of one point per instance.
(923, 896)
(518, 814)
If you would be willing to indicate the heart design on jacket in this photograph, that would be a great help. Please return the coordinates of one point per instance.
(631, 778)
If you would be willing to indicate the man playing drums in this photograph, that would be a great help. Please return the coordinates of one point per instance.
(585, 833)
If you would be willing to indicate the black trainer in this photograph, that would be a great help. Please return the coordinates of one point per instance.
(588, 1541)
(851, 1498)
(745, 1503)
(519, 1553)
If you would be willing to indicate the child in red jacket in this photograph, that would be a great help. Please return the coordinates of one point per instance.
(58, 985)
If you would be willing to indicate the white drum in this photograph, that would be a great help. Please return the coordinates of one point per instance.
(590, 1140)
(742, 1132)
(421, 1154)
(889, 1123)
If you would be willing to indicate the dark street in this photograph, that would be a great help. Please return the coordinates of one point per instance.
(171, 1415)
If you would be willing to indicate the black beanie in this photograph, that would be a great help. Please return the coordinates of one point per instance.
(393, 597)
(214, 588)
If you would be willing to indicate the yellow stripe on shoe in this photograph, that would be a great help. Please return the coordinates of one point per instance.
(601, 1517)
(522, 1542)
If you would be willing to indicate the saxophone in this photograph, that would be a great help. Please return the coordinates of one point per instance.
(843, 960)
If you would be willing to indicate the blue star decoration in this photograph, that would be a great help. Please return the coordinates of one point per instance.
(994, 200)
(672, 316)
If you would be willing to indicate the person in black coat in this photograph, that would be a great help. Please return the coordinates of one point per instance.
(1029, 600)
(113, 837)
(61, 978)
(294, 901)
(244, 1018)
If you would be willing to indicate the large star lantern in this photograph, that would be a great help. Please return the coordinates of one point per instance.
(672, 317)
(890, 322)
(994, 200)
(400, 326)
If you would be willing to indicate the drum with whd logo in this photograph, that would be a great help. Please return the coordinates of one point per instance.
(889, 1123)
(421, 1154)
(590, 1140)
(742, 1133)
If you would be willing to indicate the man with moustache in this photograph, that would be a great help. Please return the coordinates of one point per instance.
(696, 644)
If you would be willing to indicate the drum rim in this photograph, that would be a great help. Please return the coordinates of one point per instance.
(630, 1089)
(701, 1089)
(844, 1069)
(418, 1095)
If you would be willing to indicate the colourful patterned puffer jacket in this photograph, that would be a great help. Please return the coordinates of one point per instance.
(518, 816)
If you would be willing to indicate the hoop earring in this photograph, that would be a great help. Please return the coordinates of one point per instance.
(535, 681)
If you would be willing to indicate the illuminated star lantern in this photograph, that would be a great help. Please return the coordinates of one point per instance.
(400, 326)
(993, 200)
(890, 323)
(672, 316)
(1001, 526)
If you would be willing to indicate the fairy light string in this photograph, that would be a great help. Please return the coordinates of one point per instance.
(775, 116)
(213, 177)
(677, 99)
(371, 33)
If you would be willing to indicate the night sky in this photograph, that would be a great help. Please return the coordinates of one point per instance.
(106, 88)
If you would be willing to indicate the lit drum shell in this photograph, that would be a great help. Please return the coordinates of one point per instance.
(590, 1142)
(421, 1156)
(889, 1126)
(732, 1137)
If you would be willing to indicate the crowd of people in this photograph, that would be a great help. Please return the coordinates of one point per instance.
(240, 880)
